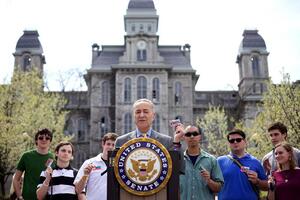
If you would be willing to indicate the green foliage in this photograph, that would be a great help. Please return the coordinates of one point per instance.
(25, 108)
(215, 125)
(280, 103)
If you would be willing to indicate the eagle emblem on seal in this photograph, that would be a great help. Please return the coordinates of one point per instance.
(142, 170)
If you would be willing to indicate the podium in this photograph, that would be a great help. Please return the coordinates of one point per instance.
(170, 192)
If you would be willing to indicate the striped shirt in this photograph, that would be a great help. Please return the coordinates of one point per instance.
(61, 185)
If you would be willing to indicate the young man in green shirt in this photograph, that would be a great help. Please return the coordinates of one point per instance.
(32, 163)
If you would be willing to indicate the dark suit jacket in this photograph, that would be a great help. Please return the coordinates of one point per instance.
(163, 139)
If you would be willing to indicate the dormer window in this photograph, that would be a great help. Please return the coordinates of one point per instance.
(141, 55)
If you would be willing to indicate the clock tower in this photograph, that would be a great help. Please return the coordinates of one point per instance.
(141, 40)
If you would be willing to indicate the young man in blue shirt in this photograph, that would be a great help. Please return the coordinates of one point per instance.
(243, 174)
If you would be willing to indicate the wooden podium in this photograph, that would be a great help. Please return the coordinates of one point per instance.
(170, 192)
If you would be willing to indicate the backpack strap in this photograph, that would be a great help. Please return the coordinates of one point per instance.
(239, 164)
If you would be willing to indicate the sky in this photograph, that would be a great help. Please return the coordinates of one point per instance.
(213, 28)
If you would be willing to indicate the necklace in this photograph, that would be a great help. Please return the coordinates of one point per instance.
(286, 177)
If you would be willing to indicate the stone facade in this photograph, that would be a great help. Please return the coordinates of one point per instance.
(141, 68)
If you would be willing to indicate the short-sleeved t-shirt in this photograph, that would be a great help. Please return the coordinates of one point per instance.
(32, 164)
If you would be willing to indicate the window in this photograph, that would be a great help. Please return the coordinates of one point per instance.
(69, 128)
(254, 88)
(26, 63)
(155, 89)
(141, 87)
(103, 126)
(255, 66)
(127, 90)
(149, 28)
(82, 129)
(127, 123)
(141, 27)
(141, 55)
(81, 157)
(133, 28)
(156, 123)
(180, 118)
(178, 93)
(105, 93)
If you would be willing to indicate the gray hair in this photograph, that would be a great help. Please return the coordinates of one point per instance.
(146, 101)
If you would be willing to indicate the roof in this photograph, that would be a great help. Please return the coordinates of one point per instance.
(252, 40)
(141, 4)
(172, 55)
(29, 39)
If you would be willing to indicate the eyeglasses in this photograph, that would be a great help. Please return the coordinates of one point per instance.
(44, 137)
(237, 140)
(189, 134)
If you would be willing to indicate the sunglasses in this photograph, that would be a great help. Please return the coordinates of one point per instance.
(44, 137)
(189, 134)
(237, 140)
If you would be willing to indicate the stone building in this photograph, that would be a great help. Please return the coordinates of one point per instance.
(141, 68)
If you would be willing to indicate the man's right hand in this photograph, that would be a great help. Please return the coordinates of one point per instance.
(88, 169)
(179, 133)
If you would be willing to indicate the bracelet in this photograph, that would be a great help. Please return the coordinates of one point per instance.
(86, 176)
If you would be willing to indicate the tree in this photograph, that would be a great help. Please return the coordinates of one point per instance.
(25, 108)
(280, 103)
(215, 125)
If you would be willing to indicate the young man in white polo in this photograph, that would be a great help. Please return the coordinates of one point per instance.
(92, 175)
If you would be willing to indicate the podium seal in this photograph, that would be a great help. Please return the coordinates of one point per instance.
(143, 166)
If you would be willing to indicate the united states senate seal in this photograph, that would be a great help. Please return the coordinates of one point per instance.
(143, 166)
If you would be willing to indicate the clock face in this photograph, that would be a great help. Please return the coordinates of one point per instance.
(141, 44)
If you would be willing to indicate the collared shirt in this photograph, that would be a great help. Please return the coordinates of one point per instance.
(96, 187)
(192, 185)
(61, 186)
(140, 134)
(237, 185)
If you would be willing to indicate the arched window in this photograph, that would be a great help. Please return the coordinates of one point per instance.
(127, 90)
(82, 129)
(155, 89)
(69, 128)
(105, 93)
(156, 123)
(26, 63)
(255, 66)
(141, 87)
(127, 123)
(103, 126)
(178, 93)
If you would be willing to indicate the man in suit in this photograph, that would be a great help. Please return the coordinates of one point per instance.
(144, 113)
